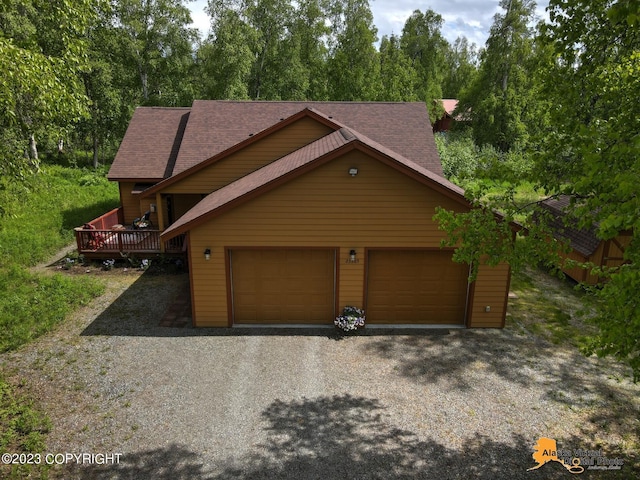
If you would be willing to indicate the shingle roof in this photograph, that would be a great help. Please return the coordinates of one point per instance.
(150, 146)
(172, 141)
(582, 240)
(279, 170)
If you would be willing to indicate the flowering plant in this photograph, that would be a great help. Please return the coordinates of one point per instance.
(352, 318)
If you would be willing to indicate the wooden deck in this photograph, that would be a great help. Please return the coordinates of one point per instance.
(108, 238)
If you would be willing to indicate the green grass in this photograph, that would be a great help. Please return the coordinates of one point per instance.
(548, 308)
(38, 219)
(23, 429)
(42, 213)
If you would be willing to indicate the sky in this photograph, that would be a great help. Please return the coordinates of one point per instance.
(469, 18)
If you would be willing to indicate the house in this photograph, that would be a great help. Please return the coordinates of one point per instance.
(290, 211)
(445, 123)
(585, 246)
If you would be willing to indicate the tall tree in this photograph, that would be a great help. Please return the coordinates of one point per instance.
(159, 48)
(594, 154)
(42, 53)
(227, 56)
(353, 67)
(399, 78)
(424, 44)
(461, 67)
(309, 30)
(590, 153)
(502, 91)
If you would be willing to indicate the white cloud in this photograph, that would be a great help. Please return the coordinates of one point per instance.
(469, 18)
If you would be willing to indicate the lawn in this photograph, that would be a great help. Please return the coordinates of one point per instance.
(38, 220)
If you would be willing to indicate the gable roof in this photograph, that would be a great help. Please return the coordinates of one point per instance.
(150, 146)
(582, 240)
(315, 154)
(449, 105)
(211, 127)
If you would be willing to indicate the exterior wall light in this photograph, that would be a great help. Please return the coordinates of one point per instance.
(353, 171)
(207, 254)
(352, 257)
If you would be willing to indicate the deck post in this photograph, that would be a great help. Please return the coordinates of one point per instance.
(160, 212)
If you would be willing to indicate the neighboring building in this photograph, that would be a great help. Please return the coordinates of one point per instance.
(445, 123)
(289, 211)
(586, 247)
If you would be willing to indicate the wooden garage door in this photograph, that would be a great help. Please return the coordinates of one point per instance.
(283, 286)
(415, 286)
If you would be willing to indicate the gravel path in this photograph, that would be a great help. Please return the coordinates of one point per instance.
(269, 404)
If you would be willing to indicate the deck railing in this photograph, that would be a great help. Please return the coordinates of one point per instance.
(107, 236)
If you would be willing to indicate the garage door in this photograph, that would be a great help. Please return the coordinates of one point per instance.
(415, 286)
(281, 286)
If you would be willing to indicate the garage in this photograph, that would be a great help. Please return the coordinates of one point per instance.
(283, 286)
(415, 287)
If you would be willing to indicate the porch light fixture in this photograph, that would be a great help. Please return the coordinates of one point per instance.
(352, 256)
(207, 254)
(353, 171)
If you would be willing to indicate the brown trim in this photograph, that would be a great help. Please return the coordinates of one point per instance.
(228, 260)
(365, 281)
(332, 155)
(618, 244)
(506, 298)
(306, 112)
(227, 268)
(187, 241)
(336, 281)
(135, 180)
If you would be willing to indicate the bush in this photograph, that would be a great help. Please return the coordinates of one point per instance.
(459, 155)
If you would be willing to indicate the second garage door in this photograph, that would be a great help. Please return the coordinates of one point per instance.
(415, 286)
(283, 286)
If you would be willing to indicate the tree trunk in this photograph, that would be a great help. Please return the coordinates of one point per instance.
(33, 153)
(95, 151)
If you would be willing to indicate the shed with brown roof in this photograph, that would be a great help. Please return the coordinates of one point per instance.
(293, 210)
(586, 247)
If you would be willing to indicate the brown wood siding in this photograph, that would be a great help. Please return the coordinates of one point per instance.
(183, 203)
(283, 286)
(380, 207)
(491, 289)
(415, 286)
(251, 158)
(130, 203)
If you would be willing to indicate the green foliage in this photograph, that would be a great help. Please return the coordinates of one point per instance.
(42, 213)
(42, 53)
(502, 100)
(459, 155)
(34, 304)
(39, 220)
(585, 145)
(399, 77)
(424, 45)
(353, 68)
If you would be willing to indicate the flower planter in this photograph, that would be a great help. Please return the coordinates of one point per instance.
(351, 320)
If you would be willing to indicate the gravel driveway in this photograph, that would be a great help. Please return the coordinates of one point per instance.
(306, 404)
